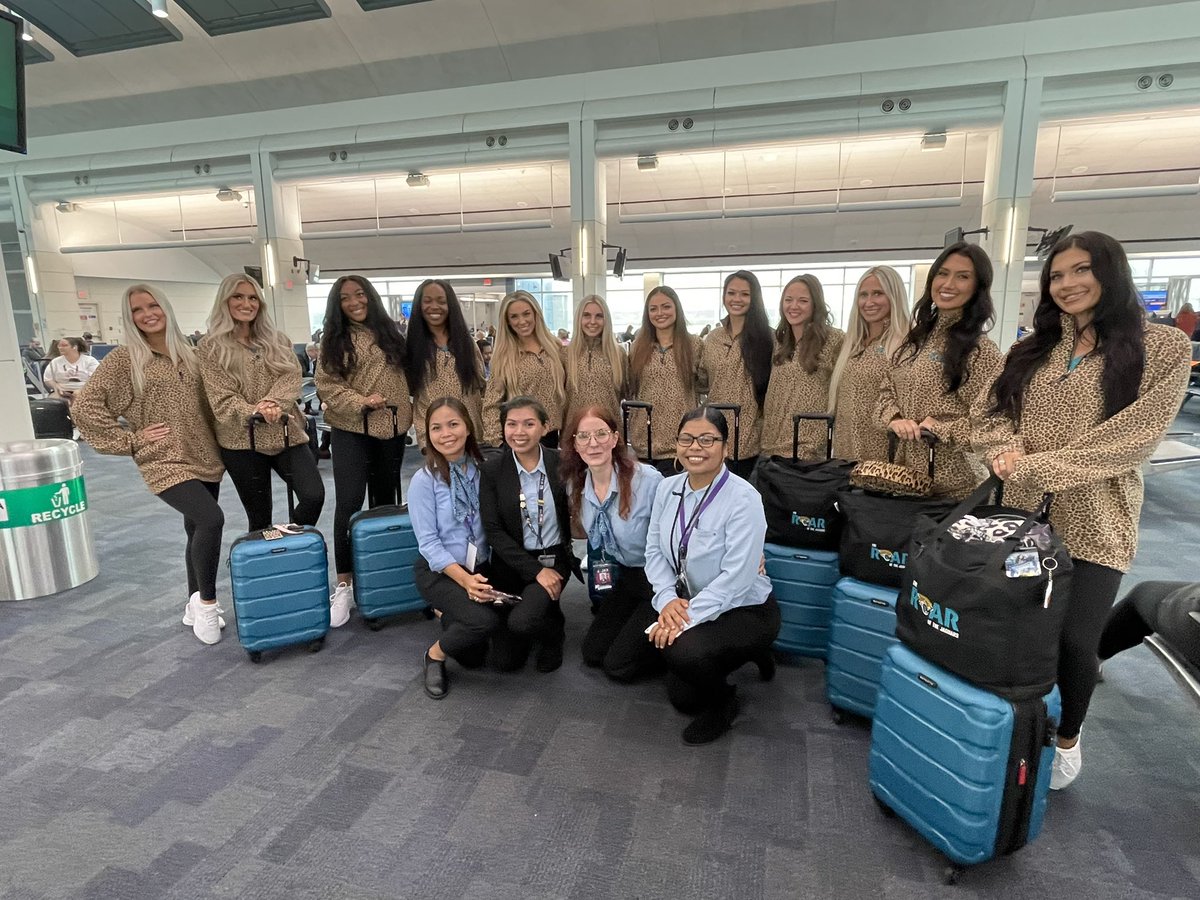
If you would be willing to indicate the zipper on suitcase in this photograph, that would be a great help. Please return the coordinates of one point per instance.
(1020, 785)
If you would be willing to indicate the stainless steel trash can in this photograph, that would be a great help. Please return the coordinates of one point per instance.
(45, 539)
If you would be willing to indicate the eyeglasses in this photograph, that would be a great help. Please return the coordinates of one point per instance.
(586, 437)
(704, 440)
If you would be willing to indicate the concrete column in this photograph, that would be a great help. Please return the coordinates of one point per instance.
(1007, 191)
(286, 288)
(54, 302)
(14, 402)
(589, 214)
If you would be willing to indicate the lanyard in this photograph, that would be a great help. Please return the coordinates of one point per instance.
(541, 504)
(710, 494)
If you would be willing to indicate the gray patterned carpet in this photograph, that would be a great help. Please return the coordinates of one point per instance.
(136, 762)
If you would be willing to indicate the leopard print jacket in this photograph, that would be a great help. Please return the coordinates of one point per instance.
(856, 431)
(1091, 464)
(173, 396)
(915, 389)
(793, 390)
(598, 385)
(233, 406)
(443, 382)
(729, 382)
(670, 393)
(345, 398)
(534, 379)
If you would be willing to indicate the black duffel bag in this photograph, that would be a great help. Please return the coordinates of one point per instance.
(970, 608)
(800, 496)
(878, 526)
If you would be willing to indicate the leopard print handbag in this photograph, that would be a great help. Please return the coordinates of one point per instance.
(892, 477)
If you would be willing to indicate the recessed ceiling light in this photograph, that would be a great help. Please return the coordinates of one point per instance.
(417, 180)
(521, 204)
(770, 157)
(866, 182)
(159, 8)
(1079, 170)
(772, 187)
(413, 210)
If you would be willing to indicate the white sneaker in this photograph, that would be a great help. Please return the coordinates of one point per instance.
(206, 624)
(339, 605)
(189, 619)
(1067, 763)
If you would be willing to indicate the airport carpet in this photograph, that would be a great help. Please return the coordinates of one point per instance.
(137, 763)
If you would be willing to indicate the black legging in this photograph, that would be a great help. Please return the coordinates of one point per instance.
(1155, 607)
(250, 472)
(1093, 590)
(361, 462)
(203, 521)
(616, 640)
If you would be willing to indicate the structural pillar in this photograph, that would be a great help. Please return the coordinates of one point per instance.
(589, 214)
(1007, 192)
(286, 285)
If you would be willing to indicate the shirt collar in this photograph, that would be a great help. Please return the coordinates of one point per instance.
(689, 491)
(589, 490)
(540, 467)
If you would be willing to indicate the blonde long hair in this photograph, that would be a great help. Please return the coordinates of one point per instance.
(178, 348)
(508, 349)
(608, 346)
(221, 340)
(856, 328)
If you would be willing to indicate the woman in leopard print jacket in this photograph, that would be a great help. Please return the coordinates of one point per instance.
(1076, 408)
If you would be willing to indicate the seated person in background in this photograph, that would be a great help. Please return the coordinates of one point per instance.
(611, 495)
(69, 371)
(715, 607)
(1170, 609)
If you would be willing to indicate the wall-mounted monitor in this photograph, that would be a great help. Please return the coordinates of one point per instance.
(12, 85)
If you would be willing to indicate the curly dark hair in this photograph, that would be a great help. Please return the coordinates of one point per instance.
(337, 350)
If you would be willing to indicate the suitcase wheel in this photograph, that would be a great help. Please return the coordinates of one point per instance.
(315, 646)
(888, 812)
(951, 874)
(838, 718)
(374, 624)
(255, 655)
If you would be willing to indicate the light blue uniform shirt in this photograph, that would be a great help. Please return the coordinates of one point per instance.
(724, 552)
(529, 487)
(441, 537)
(630, 534)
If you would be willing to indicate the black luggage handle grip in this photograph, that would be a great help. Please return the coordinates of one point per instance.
(393, 408)
(930, 439)
(736, 409)
(259, 419)
(796, 419)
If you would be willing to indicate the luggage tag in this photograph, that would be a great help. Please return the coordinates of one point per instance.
(472, 557)
(1023, 564)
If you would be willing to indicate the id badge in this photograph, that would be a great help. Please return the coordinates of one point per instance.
(546, 560)
(601, 577)
(472, 557)
(1023, 564)
(683, 589)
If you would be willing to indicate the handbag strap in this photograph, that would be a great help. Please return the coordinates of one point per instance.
(980, 495)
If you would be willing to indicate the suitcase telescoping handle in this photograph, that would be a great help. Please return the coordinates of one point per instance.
(399, 459)
(626, 406)
(930, 439)
(816, 417)
(736, 409)
(260, 419)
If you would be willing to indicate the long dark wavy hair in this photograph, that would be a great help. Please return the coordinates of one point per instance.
(977, 317)
(757, 340)
(816, 332)
(573, 469)
(643, 344)
(435, 462)
(422, 349)
(1118, 322)
(337, 350)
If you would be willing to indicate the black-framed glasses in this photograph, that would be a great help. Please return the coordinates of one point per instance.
(704, 440)
(599, 436)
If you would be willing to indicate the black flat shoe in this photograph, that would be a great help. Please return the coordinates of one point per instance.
(766, 665)
(713, 722)
(549, 656)
(437, 684)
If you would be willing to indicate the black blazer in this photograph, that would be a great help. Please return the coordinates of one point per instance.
(500, 509)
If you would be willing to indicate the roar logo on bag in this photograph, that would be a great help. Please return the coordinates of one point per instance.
(943, 620)
(897, 559)
(809, 523)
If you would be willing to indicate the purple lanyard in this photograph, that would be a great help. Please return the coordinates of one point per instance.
(687, 528)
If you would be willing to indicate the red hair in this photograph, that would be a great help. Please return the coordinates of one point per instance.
(573, 469)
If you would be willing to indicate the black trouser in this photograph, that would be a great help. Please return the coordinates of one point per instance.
(1093, 590)
(742, 467)
(1138, 616)
(617, 639)
(466, 625)
(701, 658)
(550, 439)
(536, 617)
(203, 521)
(667, 467)
(250, 472)
(361, 462)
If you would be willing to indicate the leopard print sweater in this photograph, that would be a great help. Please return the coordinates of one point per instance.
(671, 394)
(856, 432)
(443, 382)
(793, 390)
(535, 379)
(597, 385)
(172, 395)
(232, 407)
(915, 389)
(345, 398)
(729, 382)
(1091, 464)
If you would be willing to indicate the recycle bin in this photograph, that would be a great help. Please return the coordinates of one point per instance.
(45, 535)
